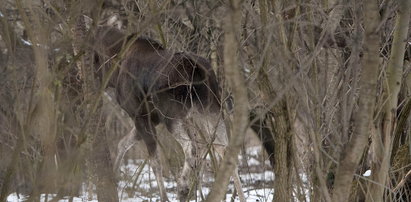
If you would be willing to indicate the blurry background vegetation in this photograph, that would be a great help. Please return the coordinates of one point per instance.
(327, 80)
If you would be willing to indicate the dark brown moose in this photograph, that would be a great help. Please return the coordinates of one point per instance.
(154, 85)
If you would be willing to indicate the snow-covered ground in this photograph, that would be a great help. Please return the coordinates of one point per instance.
(138, 182)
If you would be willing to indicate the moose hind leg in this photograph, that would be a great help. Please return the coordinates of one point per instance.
(183, 182)
(148, 134)
(123, 146)
(190, 162)
(158, 172)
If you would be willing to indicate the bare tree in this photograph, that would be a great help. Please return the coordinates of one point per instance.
(351, 155)
(394, 71)
(324, 84)
(95, 135)
(234, 76)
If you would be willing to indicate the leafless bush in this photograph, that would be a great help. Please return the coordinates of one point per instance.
(326, 88)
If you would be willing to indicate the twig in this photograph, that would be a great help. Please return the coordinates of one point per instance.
(402, 182)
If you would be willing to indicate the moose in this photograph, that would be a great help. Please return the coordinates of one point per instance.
(158, 86)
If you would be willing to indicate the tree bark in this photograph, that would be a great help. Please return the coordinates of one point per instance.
(394, 71)
(284, 152)
(363, 117)
(95, 133)
(279, 134)
(282, 123)
(236, 79)
(41, 119)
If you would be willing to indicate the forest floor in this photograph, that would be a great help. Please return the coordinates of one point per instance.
(138, 182)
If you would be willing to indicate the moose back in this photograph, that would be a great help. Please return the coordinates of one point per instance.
(154, 85)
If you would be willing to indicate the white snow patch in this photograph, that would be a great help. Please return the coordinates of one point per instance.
(146, 188)
(253, 151)
(265, 176)
(14, 198)
(28, 43)
(253, 162)
(367, 173)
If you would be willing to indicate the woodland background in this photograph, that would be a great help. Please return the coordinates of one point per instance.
(323, 84)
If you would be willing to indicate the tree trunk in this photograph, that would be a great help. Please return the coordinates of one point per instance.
(363, 117)
(95, 133)
(282, 121)
(284, 151)
(41, 119)
(236, 79)
(383, 143)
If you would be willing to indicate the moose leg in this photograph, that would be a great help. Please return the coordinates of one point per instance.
(147, 132)
(158, 172)
(123, 146)
(202, 166)
(189, 164)
(181, 135)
